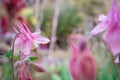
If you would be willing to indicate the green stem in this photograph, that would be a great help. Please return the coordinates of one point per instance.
(118, 65)
(12, 57)
(117, 70)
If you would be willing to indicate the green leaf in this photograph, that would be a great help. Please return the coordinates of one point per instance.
(8, 54)
(33, 58)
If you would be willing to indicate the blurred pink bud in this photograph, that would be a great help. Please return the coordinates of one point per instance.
(110, 24)
(27, 72)
(20, 74)
(23, 72)
(82, 64)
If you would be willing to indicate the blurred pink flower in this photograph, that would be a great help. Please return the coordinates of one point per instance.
(11, 9)
(82, 64)
(13, 6)
(26, 39)
(110, 24)
(106, 21)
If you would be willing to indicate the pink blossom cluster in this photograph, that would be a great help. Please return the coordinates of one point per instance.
(24, 41)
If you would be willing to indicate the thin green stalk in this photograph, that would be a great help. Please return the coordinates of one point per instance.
(12, 56)
(117, 70)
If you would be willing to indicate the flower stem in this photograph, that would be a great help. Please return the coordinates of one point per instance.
(12, 64)
(117, 70)
(12, 57)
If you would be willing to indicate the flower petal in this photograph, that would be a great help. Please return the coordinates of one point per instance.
(101, 27)
(17, 43)
(37, 32)
(17, 64)
(38, 67)
(23, 27)
(113, 39)
(26, 47)
(72, 44)
(110, 20)
(117, 60)
(41, 40)
(15, 30)
(101, 17)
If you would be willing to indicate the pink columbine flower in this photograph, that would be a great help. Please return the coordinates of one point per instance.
(26, 38)
(82, 64)
(111, 25)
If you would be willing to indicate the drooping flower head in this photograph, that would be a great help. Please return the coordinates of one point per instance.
(26, 39)
(110, 24)
(23, 72)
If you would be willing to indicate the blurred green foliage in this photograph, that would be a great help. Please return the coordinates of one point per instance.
(69, 19)
(110, 71)
(6, 73)
(47, 22)
(64, 73)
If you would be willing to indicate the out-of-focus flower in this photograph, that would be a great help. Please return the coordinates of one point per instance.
(26, 39)
(110, 24)
(4, 24)
(13, 6)
(11, 9)
(106, 21)
(82, 64)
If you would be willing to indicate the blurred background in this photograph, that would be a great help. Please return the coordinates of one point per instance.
(57, 19)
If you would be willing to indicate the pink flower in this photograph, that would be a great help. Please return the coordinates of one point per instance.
(82, 64)
(26, 38)
(106, 22)
(111, 25)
